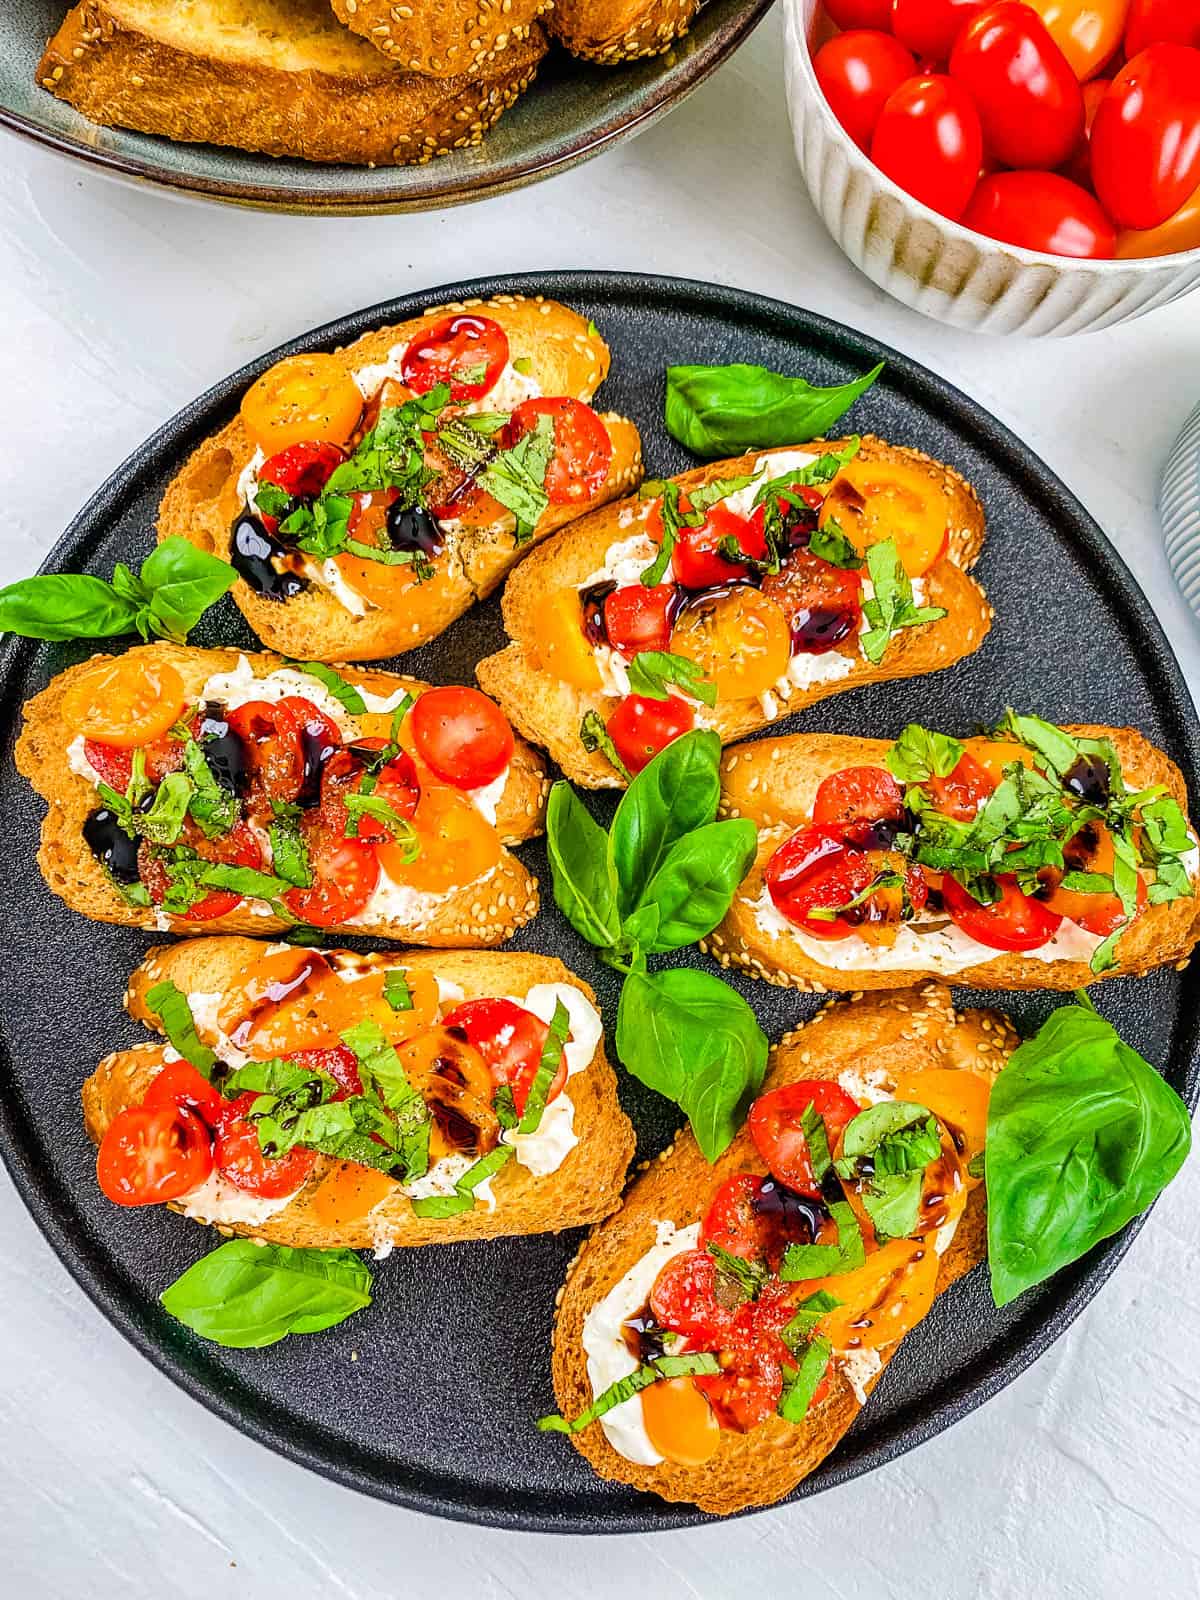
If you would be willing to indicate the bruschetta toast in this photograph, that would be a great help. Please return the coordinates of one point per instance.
(774, 1286)
(369, 497)
(612, 31)
(278, 76)
(443, 38)
(412, 1098)
(1036, 857)
(735, 594)
(206, 791)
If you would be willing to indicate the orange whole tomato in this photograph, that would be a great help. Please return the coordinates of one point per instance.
(1086, 31)
(857, 72)
(1041, 211)
(1029, 100)
(928, 140)
(1162, 22)
(1181, 231)
(1146, 137)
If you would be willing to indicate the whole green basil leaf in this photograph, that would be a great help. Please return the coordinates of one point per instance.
(65, 605)
(1082, 1135)
(695, 884)
(673, 794)
(696, 1041)
(585, 880)
(183, 582)
(723, 411)
(245, 1295)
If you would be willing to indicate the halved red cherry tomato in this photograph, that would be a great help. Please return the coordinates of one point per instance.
(115, 765)
(814, 873)
(582, 448)
(179, 1084)
(1161, 22)
(858, 794)
(461, 735)
(1041, 211)
(929, 141)
(338, 1061)
(857, 72)
(860, 13)
(930, 27)
(823, 603)
(684, 1299)
(1087, 32)
(510, 1039)
(153, 1153)
(1146, 137)
(637, 617)
(1029, 101)
(738, 1221)
(467, 351)
(776, 1128)
(697, 561)
(302, 471)
(746, 1391)
(239, 1157)
(961, 793)
(1014, 922)
(396, 784)
(287, 743)
(640, 727)
(237, 848)
(344, 871)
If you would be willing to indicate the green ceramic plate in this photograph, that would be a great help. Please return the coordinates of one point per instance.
(572, 112)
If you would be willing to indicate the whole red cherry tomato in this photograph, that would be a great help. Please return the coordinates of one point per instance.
(1029, 101)
(928, 140)
(860, 13)
(1146, 137)
(1041, 211)
(857, 72)
(1086, 31)
(930, 27)
(1161, 22)
(1079, 167)
(462, 735)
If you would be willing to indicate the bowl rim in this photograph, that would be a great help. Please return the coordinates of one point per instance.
(798, 13)
(400, 194)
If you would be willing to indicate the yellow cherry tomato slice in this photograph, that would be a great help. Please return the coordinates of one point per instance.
(993, 755)
(456, 844)
(349, 1193)
(125, 701)
(959, 1100)
(562, 648)
(875, 500)
(1181, 231)
(881, 1300)
(302, 399)
(739, 638)
(679, 1422)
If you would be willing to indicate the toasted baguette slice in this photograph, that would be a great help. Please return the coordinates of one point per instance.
(774, 782)
(443, 38)
(586, 1187)
(878, 1037)
(278, 76)
(611, 31)
(483, 913)
(567, 357)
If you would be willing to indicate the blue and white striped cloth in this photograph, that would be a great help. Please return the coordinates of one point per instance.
(1179, 509)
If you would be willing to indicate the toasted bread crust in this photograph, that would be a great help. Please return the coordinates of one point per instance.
(773, 782)
(201, 502)
(910, 1032)
(549, 711)
(443, 38)
(477, 915)
(112, 66)
(611, 31)
(586, 1187)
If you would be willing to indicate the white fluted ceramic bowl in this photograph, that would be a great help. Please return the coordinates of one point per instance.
(1179, 508)
(937, 266)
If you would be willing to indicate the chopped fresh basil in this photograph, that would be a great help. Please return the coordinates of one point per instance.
(163, 822)
(593, 735)
(804, 1261)
(380, 1068)
(516, 477)
(920, 754)
(539, 1089)
(816, 1138)
(808, 1313)
(379, 810)
(800, 1384)
(651, 671)
(745, 1278)
(213, 808)
(700, 1364)
(505, 1107)
(350, 697)
(831, 544)
(891, 607)
(463, 1198)
(396, 990)
(289, 853)
(170, 1005)
(881, 881)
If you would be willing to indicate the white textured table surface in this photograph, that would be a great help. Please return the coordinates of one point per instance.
(1082, 1479)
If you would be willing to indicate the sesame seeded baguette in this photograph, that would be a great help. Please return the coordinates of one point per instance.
(909, 1032)
(586, 1187)
(278, 76)
(774, 782)
(611, 31)
(443, 38)
(566, 356)
(549, 711)
(481, 914)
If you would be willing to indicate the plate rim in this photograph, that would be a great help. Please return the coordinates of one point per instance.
(405, 194)
(54, 1209)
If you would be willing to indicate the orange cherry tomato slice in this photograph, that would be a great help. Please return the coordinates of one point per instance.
(561, 647)
(993, 755)
(349, 1193)
(876, 500)
(456, 844)
(125, 701)
(679, 1422)
(302, 399)
(510, 1040)
(881, 1300)
(739, 639)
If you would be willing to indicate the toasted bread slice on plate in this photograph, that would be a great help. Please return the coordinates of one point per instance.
(443, 38)
(910, 1046)
(278, 76)
(354, 609)
(568, 1171)
(561, 666)
(462, 887)
(612, 31)
(775, 782)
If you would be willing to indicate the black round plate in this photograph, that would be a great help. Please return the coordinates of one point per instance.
(428, 1398)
